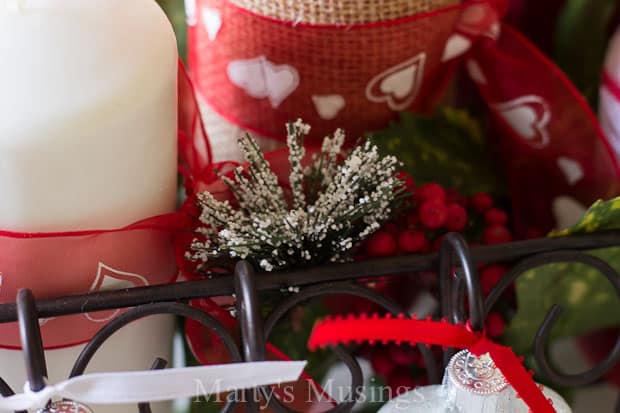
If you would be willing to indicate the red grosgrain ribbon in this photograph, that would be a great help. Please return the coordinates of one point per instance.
(333, 331)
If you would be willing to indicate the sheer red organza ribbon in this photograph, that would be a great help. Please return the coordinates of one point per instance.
(260, 72)
(77, 262)
(335, 331)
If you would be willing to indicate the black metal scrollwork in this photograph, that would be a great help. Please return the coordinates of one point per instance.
(455, 263)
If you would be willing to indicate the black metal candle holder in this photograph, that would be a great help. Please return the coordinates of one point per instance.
(311, 283)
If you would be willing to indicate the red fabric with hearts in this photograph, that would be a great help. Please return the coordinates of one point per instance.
(404, 330)
(69, 263)
(609, 109)
(259, 73)
(551, 142)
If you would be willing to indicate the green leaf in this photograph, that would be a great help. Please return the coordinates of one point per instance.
(447, 147)
(601, 215)
(176, 13)
(581, 43)
(588, 299)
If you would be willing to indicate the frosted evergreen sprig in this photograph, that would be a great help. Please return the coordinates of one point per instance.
(295, 136)
(335, 203)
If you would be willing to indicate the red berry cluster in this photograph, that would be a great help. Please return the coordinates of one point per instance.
(434, 212)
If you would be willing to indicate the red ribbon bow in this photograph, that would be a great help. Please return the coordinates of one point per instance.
(334, 331)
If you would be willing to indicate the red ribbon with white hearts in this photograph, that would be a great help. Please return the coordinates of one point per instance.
(259, 72)
(333, 331)
(610, 107)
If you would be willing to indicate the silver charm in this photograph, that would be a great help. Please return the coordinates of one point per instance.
(471, 385)
(477, 375)
(66, 406)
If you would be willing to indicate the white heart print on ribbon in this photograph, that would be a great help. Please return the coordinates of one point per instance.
(456, 45)
(480, 18)
(399, 85)
(329, 106)
(609, 103)
(567, 211)
(529, 117)
(260, 78)
(44, 321)
(475, 72)
(109, 279)
(190, 12)
(212, 20)
(572, 170)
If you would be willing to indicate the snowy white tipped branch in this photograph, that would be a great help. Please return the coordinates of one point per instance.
(334, 205)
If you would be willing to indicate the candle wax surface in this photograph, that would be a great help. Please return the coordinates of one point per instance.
(88, 115)
(88, 140)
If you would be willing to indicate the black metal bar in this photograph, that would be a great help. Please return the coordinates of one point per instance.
(32, 343)
(307, 294)
(6, 391)
(250, 323)
(125, 298)
(321, 281)
(147, 310)
(224, 285)
(541, 343)
(452, 285)
(248, 309)
(158, 364)
(455, 245)
(544, 332)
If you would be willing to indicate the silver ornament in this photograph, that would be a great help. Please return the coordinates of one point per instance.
(477, 375)
(66, 406)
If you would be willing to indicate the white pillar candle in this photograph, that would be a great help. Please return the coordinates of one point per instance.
(88, 126)
(88, 118)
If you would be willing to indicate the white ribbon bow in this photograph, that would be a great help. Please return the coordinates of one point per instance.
(158, 385)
